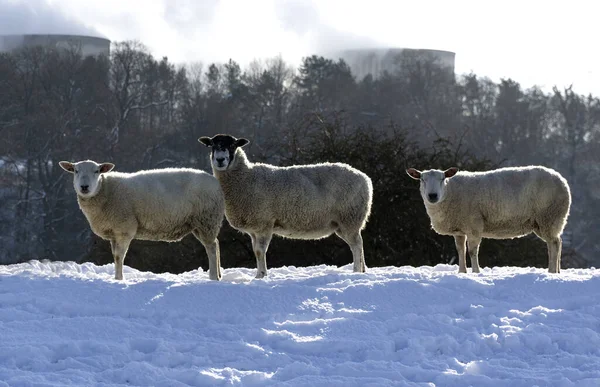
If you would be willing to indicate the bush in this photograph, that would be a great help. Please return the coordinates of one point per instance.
(398, 232)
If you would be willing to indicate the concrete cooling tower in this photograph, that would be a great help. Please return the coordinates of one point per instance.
(377, 60)
(88, 45)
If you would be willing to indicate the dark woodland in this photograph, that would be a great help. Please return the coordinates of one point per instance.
(142, 112)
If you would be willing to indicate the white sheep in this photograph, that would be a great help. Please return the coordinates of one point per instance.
(505, 203)
(156, 205)
(298, 202)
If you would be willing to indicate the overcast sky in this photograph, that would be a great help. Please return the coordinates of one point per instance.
(534, 42)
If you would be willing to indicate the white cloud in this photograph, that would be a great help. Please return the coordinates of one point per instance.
(533, 42)
(38, 16)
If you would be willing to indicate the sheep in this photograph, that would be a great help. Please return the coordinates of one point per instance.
(296, 202)
(504, 203)
(156, 205)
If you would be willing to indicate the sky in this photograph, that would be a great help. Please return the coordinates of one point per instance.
(534, 42)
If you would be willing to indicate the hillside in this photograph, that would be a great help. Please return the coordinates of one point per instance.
(63, 323)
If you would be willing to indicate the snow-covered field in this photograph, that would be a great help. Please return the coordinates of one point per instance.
(68, 324)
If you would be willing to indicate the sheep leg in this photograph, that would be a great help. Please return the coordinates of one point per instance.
(358, 253)
(355, 242)
(119, 249)
(461, 247)
(554, 253)
(473, 243)
(214, 260)
(212, 252)
(260, 245)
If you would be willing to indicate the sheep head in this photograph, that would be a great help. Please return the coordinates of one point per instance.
(433, 182)
(86, 176)
(223, 147)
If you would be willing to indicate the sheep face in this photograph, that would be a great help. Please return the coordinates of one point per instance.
(223, 147)
(86, 176)
(433, 183)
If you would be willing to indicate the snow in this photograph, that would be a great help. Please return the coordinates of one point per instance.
(63, 323)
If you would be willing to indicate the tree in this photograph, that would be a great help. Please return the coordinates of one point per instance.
(324, 85)
(478, 99)
(267, 101)
(144, 112)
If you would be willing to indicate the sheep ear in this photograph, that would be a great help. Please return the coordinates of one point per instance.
(67, 166)
(240, 142)
(448, 173)
(106, 167)
(206, 141)
(415, 174)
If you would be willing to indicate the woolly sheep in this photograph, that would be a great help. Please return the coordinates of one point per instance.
(298, 202)
(505, 203)
(157, 205)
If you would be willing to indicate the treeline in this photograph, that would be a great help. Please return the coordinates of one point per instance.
(141, 112)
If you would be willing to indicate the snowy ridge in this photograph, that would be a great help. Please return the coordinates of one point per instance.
(63, 323)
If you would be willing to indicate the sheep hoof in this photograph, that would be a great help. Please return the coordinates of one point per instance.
(260, 275)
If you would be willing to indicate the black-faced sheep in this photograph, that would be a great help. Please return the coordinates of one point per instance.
(156, 205)
(299, 202)
(504, 203)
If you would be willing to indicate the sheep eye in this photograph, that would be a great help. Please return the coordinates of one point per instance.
(76, 171)
(96, 171)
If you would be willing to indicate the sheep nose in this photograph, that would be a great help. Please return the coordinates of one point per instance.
(84, 188)
(220, 160)
(433, 197)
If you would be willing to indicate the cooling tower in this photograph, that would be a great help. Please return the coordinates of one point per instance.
(377, 60)
(88, 45)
